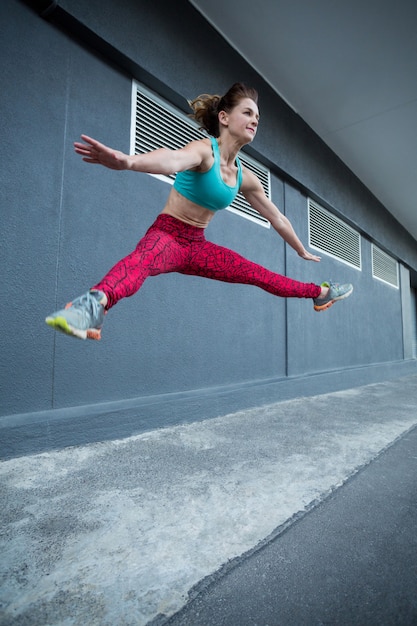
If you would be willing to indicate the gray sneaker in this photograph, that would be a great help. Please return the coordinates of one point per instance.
(336, 292)
(82, 318)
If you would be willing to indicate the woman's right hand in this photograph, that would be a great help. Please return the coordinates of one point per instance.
(93, 151)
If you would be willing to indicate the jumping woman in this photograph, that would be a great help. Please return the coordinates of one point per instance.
(209, 175)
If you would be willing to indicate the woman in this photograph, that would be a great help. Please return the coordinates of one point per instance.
(208, 177)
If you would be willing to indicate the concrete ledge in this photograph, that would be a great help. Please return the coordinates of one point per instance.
(30, 433)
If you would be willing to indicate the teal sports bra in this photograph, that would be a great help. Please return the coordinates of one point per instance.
(208, 189)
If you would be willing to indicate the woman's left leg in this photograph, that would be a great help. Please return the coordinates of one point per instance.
(212, 261)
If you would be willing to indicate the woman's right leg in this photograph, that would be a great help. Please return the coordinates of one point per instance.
(161, 250)
(158, 252)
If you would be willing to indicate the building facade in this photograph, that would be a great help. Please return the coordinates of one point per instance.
(183, 348)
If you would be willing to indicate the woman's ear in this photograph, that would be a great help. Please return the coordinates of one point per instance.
(223, 118)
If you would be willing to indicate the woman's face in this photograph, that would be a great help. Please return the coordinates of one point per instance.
(242, 120)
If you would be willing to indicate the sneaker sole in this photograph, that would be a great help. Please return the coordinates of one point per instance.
(61, 324)
(326, 306)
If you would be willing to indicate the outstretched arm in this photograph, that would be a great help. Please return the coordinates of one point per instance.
(255, 195)
(161, 161)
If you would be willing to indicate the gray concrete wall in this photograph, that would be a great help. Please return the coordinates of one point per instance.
(190, 347)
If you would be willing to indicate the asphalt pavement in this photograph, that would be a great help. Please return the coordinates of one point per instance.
(351, 561)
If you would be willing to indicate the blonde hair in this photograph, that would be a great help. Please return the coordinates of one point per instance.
(206, 107)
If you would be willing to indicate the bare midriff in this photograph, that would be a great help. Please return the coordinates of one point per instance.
(187, 211)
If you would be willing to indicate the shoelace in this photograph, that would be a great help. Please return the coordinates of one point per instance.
(87, 304)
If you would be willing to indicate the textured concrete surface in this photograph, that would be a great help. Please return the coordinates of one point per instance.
(118, 533)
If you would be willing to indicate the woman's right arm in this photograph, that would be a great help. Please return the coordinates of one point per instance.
(161, 161)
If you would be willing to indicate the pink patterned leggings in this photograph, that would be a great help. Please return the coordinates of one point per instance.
(173, 246)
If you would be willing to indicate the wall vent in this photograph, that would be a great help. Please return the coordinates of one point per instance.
(384, 267)
(328, 234)
(157, 124)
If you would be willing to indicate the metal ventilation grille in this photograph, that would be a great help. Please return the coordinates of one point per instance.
(384, 267)
(155, 124)
(240, 204)
(330, 235)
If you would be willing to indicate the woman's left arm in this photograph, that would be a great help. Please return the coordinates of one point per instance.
(254, 193)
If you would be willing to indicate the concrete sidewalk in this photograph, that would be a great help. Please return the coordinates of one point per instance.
(117, 533)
